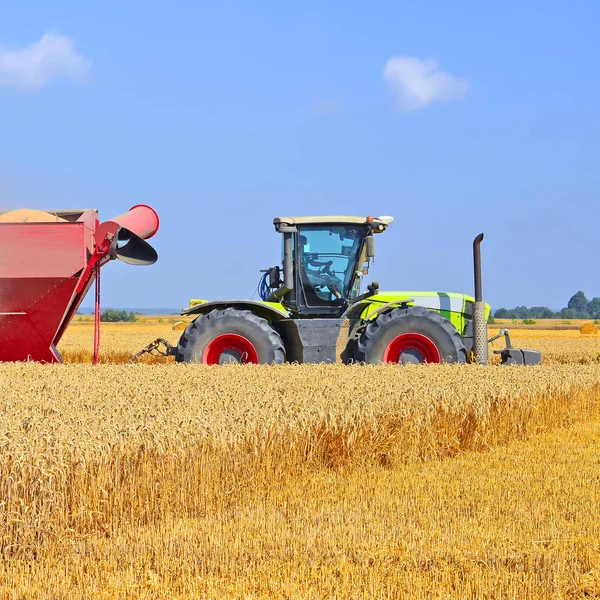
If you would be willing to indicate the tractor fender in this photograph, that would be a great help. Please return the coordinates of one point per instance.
(270, 311)
(356, 311)
(354, 323)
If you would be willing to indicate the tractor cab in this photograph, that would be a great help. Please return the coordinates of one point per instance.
(324, 259)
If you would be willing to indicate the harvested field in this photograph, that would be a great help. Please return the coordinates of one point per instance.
(182, 481)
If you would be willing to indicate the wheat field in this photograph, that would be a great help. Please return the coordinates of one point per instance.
(300, 481)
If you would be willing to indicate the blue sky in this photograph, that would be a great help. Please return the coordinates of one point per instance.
(455, 118)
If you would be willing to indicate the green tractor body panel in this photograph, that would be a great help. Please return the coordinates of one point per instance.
(269, 310)
(457, 308)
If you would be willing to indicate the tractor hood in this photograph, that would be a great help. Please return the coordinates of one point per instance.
(446, 301)
(457, 308)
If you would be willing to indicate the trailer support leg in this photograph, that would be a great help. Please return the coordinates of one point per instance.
(97, 317)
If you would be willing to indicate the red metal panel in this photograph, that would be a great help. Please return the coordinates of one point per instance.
(50, 313)
(28, 324)
(22, 341)
(83, 287)
(20, 294)
(40, 265)
(46, 250)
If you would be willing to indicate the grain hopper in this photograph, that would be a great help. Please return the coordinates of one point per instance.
(48, 262)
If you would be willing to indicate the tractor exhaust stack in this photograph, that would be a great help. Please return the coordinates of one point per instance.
(480, 330)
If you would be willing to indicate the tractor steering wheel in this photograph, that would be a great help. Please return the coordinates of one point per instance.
(330, 280)
(326, 268)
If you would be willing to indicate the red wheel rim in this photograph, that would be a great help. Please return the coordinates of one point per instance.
(415, 344)
(236, 346)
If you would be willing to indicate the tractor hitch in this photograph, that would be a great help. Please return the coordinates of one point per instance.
(154, 349)
(516, 356)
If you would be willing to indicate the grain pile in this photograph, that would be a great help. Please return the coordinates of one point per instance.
(29, 215)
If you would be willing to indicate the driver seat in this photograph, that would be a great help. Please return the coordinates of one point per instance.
(311, 296)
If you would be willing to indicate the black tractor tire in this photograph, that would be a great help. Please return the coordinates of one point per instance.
(410, 335)
(230, 335)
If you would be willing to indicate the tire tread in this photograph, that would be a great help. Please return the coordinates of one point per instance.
(208, 320)
(371, 331)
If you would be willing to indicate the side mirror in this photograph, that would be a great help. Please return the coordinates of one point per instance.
(370, 243)
(274, 277)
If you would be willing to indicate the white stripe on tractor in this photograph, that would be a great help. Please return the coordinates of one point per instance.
(440, 303)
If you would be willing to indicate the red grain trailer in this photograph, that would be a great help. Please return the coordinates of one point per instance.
(48, 261)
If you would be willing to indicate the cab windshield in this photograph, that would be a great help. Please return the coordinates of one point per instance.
(328, 262)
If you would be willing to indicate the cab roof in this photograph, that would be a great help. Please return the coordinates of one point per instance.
(378, 224)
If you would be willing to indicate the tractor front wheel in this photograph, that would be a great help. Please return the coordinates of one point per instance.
(230, 336)
(410, 335)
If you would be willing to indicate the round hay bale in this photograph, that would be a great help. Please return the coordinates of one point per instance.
(29, 215)
(180, 326)
(588, 328)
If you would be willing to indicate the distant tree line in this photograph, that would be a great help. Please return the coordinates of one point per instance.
(579, 307)
(111, 315)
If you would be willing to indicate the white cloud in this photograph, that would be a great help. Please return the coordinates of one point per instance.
(417, 83)
(36, 65)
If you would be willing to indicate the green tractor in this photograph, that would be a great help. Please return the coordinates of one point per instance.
(312, 309)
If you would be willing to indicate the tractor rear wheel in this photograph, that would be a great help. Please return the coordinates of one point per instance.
(410, 335)
(230, 336)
